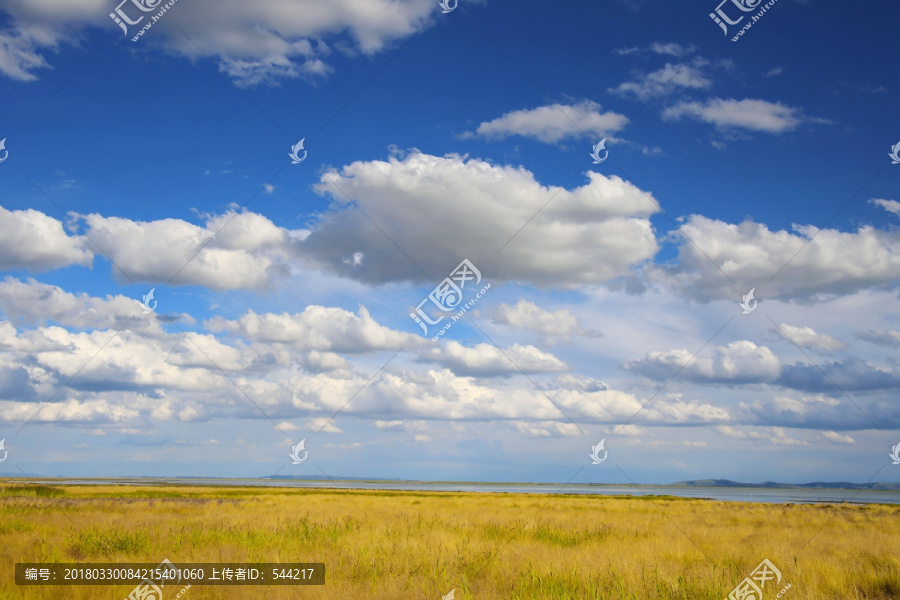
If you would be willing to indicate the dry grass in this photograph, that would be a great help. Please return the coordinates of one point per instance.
(420, 545)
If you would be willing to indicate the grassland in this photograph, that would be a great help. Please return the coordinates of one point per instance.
(420, 545)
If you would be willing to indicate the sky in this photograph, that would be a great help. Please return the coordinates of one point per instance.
(608, 242)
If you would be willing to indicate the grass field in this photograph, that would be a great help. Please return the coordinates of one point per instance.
(420, 545)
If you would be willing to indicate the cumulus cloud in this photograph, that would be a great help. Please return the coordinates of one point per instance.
(837, 438)
(32, 302)
(667, 80)
(317, 425)
(553, 327)
(400, 425)
(807, 337)
(486, 360)
(815, 411)
(234, 250)
(252, 43)
(31, 240)
(818, 263)
(743, 362)
(775, 436)
(318, 328)
(570, 381)
(317, 361)
(545, 429)
(287, 426)
(433, 208)
(555, 122)
(749, 114)
(131, 379)
(417, 429)
(69, 411)
(740, 362)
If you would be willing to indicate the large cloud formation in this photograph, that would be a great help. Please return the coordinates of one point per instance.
(808, 264)
(252, 42)
(438, 210)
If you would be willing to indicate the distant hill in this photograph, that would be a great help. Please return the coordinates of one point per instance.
(817, 485)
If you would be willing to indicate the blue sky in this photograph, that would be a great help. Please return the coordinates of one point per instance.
(285, 290)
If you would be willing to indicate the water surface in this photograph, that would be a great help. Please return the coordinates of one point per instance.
(769, 495)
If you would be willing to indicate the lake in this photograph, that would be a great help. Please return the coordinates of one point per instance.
(769, 495)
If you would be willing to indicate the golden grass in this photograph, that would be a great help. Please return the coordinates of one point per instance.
(420, 545)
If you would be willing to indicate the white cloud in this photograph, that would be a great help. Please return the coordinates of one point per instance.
(18, 54)
(435, 208)
(322, 424)
(670, 49)
(71, 411)
(132, 379)
(837, 438)
(231, 251)
(31, 240)
(817, 263)
(415, 428)
(317, 361)
(486, 360)
(739, 362)
(252, 42)
(545, 429)
(560, 325)
(318, 328)
(807, 337)
(36, 303)
(892, 206)
(666, 80)
(775, 436)
(754, 115)
(627, 430)
(555, 122)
